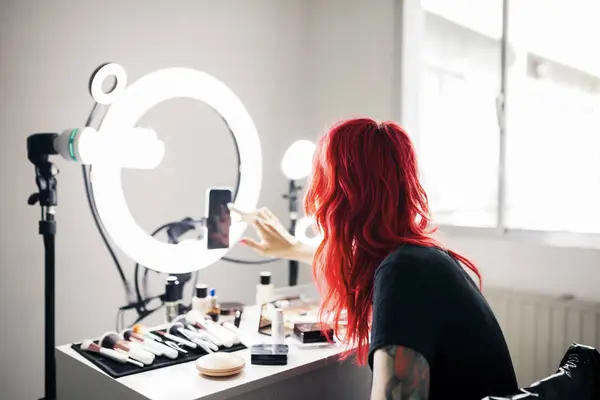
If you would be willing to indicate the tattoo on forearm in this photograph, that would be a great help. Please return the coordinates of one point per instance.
(410, 380)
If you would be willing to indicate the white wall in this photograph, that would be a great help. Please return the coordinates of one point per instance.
(47, 52)
(297, 66)
(351, 60)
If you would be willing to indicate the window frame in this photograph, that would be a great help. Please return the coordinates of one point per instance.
(409, 29)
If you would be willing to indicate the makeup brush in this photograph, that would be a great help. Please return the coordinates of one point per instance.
(193, 337)
(88, 345)
(134, 344)
(142, 330)
(195, 319)
(231, 327)
(203, 333)
(226, 335)
(112, 340)
(178, 327)
(152, 346)
(204, 345)
(177, 339)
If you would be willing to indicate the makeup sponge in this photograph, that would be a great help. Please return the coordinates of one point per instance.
(220, 364)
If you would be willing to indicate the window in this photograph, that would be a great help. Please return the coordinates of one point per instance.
(551, 142)
(553, 117)
(458, 126)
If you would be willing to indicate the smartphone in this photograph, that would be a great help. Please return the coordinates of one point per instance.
(218, 221)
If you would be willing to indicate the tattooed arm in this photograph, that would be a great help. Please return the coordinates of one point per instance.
(399, 373)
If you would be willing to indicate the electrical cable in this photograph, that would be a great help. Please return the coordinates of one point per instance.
(117, 325)
(100, 227)
(144, 315)
(92, 205)
(137, 267)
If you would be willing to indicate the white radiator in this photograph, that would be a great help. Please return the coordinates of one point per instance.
(540, 328)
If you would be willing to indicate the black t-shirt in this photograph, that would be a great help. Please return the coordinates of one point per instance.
(424, 300)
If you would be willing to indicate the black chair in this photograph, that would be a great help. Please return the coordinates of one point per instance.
(577, 378)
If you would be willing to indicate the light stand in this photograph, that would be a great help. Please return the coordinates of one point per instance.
(292, 197)
(39, 148)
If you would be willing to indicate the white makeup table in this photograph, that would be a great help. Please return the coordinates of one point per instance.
(311, 374)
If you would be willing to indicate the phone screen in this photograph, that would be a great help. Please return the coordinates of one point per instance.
(219, 219)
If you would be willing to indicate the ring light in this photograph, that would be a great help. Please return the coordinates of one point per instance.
(300, 232)
(106, 70)
(125, 110)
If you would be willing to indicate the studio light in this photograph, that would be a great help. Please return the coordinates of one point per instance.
(302, 226)
(297, 160)
(119, 144)
(137, 149)
(296, 164)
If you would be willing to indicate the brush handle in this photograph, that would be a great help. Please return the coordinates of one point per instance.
(204, 334)
(206, 346)
(229, 338)
(179, 340)
(231, 328)
(147, 334)
(131, 361)
(223, 339)
(233, 331)
(200, 342)
(140, 355)
(114, 355)
(145, 347)
(208, 338)
(165, 350)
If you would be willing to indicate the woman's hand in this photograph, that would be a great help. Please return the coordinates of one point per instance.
(275, 240)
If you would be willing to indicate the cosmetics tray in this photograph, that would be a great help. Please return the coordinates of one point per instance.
(117, 370)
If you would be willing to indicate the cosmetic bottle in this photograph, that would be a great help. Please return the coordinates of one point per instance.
(200, 301)
(173, 298)
(265, 289)
(278, 327)
(214, 309)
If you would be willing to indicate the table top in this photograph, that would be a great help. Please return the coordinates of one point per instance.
(182, 381)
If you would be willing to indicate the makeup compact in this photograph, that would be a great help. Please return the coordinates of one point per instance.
(269, 354)
(220, 364)
(311, 333)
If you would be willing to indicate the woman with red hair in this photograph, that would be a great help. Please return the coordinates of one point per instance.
(412, 311)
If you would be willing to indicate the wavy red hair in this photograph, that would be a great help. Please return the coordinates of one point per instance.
(367, 200)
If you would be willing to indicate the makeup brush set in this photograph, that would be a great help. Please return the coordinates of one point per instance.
(140, 349)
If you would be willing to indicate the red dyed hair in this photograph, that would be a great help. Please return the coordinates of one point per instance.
(367, 200)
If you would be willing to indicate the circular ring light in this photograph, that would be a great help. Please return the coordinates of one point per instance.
(99, 95)
(122, 116)
(300, 232)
